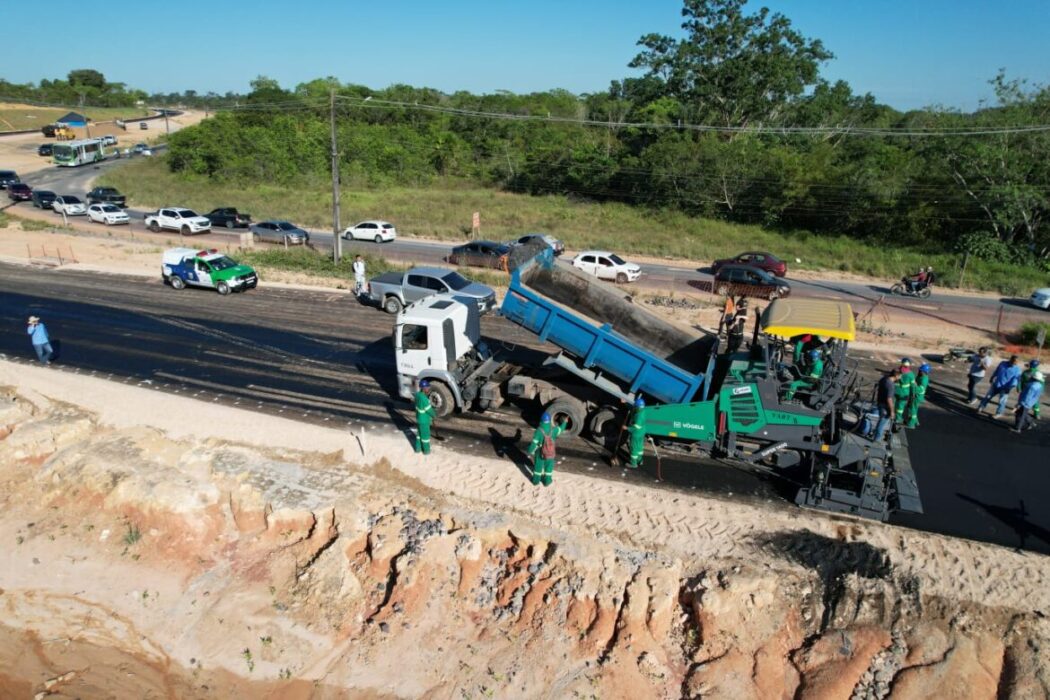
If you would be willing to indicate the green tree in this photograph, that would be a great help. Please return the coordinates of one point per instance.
(732, 67)
(87, 77)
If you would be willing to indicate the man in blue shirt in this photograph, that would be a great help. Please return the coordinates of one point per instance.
(1006, 377)
(41, 342)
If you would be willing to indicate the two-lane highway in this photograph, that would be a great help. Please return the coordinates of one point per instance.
(321, 357)
(977, 312)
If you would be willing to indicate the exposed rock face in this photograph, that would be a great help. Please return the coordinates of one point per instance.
(216, 570)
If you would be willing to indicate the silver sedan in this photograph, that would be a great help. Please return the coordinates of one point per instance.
(279, 232)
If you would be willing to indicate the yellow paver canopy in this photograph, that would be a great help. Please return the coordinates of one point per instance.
(787, 318)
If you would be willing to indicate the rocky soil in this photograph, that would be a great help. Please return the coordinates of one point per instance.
(140, 564)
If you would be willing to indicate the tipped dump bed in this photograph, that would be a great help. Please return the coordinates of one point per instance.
(602, 304)
(606, 331)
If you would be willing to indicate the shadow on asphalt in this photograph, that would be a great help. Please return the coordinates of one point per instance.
(1016, 518)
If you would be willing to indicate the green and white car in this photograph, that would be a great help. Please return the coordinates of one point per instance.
(206, 268)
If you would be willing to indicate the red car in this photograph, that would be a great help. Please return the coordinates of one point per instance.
(763, 261)
(19, 192)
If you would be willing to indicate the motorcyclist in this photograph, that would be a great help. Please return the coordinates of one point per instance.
(916, 281)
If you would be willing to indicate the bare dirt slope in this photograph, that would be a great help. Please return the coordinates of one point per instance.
(157, 546)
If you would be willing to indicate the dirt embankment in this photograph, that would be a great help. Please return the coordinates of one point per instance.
(138, 565)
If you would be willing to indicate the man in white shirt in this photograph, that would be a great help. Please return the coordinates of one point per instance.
(979, 364)
(360, 284)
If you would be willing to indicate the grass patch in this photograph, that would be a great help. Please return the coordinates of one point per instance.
(1030, 332)
(444, 212)
(16, 117)
(5, 220)
(35, 225)
(311, 262)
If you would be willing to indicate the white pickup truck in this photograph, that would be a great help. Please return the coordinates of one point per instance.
(185, 221)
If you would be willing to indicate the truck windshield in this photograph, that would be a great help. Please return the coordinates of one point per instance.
(456, 281)
(221, 263)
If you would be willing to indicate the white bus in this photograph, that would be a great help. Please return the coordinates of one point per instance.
(74, 153)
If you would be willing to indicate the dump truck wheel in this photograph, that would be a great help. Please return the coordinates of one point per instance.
(441, 399)
(569, 409)
(602, 425)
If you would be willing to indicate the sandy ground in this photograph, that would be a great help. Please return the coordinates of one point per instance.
(686, 525)
(280, 559)
(18, 151)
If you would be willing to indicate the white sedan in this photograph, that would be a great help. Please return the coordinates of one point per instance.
(378, 231)
(107, 214)
(69, 205)
(1041, 298)
(607, 266)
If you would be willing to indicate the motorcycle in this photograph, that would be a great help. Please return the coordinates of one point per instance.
(909, 288)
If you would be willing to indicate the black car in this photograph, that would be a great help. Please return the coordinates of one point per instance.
(8, 177)
(19, 192)
(42, 199)
(44, 150)
(228, 217)
(106, 195)
(48, 130)
(749, 281)
(481, 254)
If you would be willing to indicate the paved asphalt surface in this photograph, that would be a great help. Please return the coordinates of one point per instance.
(323, 358)
(973, 311)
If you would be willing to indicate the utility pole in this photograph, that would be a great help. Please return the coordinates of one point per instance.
(166, 129)
(337, 243)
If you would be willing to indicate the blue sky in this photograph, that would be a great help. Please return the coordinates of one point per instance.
(907, 53)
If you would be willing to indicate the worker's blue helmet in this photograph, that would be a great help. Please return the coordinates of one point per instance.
(639, 402)
(924, 367)
(814, 354)
(423, 383)
(1033, 364)
(545, 418)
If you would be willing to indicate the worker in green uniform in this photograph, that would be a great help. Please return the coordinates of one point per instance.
(799, 342)
(905, 389)
(1027, 377)
(542, 449)
(637, 433)
(922, 381)
(813, 370)
(424, 417)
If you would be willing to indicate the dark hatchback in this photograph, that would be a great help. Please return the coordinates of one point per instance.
(42, 199)
(44, 150)
(19, 192)
(228, 217)
(8, 177)
(481, 254)
(749, 281)
(763, 261)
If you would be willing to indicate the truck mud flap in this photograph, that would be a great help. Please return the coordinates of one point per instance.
(904, 493)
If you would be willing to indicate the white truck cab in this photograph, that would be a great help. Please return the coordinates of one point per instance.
(431, 336)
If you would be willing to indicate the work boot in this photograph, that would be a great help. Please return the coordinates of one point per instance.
(535, 478)
(547, 479)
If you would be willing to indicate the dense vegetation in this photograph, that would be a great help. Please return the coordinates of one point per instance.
(783, 148)
(83, 86)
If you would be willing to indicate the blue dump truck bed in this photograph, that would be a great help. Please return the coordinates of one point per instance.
(605, 333)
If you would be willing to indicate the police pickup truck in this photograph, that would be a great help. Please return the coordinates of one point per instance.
(206, 268)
